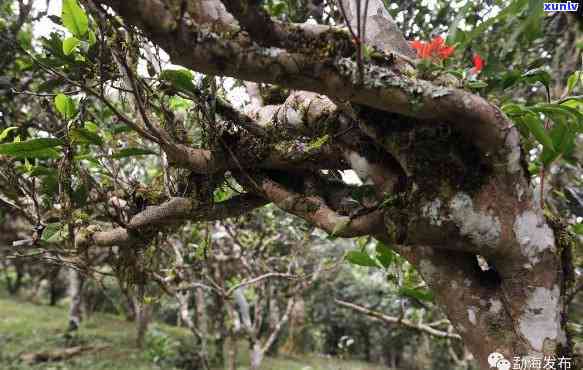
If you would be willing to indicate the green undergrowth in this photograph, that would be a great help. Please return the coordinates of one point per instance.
(28, 327)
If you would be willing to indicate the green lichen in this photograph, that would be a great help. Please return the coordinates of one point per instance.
(317, 143)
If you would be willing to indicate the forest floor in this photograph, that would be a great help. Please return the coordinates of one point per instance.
(107, 342)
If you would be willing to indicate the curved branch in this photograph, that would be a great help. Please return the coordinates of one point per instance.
(421, 327)
(173, 211)
(315, 210)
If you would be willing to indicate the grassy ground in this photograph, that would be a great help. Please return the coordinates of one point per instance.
(27, 327)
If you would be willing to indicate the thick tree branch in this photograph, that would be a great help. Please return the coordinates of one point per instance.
(317, 71)
(205, 161)
(173, 211)
(314, 209)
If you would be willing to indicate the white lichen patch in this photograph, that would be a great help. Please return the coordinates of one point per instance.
(540, 319)
(472, 315)
(519, 192)
(513, 156)
(438, 93)
(360, 165)
(495, 306)
(293, 117)
(269, 52)
(431, 211)
(533, 235)
(427, 269)
(453, 285)
(467, 283)
(481, 227)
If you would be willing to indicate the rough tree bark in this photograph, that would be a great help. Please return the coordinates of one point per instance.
(446, 165)
(143, 315)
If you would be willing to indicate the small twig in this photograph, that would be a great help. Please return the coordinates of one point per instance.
(32, 93)
(260, 278)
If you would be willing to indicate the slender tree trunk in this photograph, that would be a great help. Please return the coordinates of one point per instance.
(76, 283)
(129, 306)
(143, 316)
(202, 323)
(19, 275)
(8, 280)
(54, 286)
(365, 334)
(256, 355)
(230, 350)
(274, 316)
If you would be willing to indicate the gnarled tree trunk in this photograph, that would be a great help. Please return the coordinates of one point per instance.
(445, 166)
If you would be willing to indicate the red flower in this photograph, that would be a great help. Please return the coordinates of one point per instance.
(478, 64)
(446, 52)
(436, 49)
(436, 43)
(421, 47)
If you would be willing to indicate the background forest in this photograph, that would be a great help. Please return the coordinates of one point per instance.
(247, 283)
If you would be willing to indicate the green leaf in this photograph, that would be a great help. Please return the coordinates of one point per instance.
(578, 229)
(548, 156)
(537, 63)
(74, 18)
(538, 75)
(35, 148)
(91, 126)
(560, 111)
(536, 128)
(509, 79)
(70, 44)
(476, 84)
(573, 81)
(6, 131)
(132, 152)
(84, 136)
(66, 106)
(572, 101)
(360, 259)
(92, 38)
(563, 138)
(180, 79)
(54, 232)
(419, 294)
(120, 128)
(177, 103)
(514, 110)
(38, 171)
(385, 254)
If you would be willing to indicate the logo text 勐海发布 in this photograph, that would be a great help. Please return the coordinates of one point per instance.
(497, 361)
